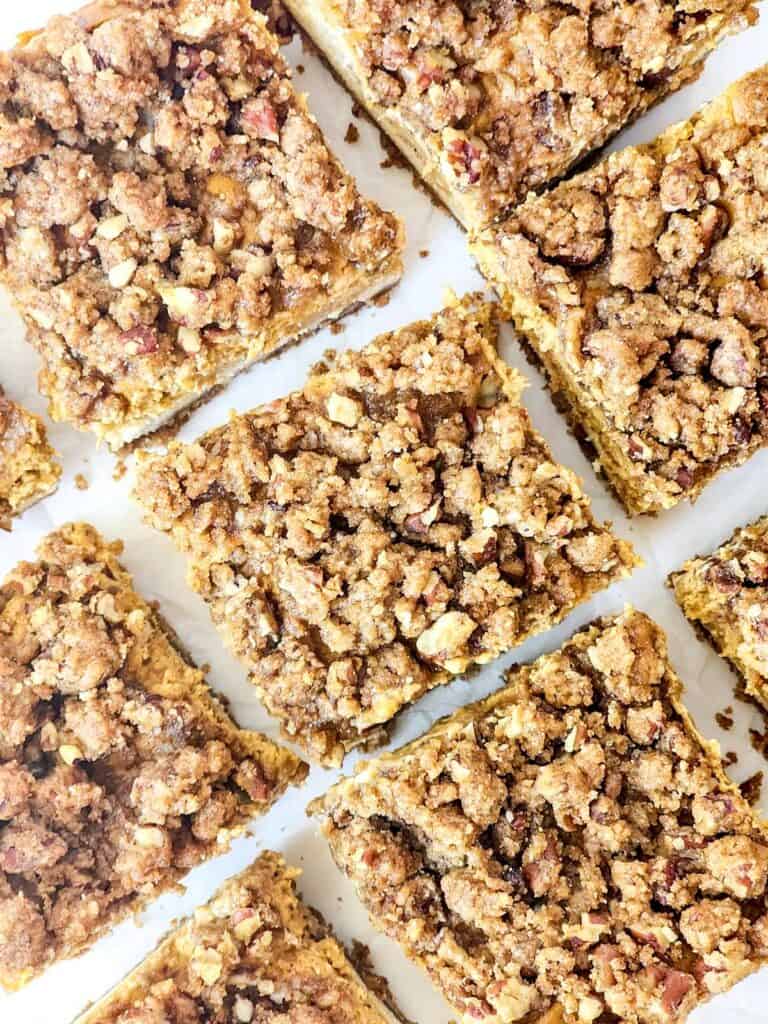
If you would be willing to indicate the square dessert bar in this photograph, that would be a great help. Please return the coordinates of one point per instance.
(490, 100)
(256, 954)
(642, 287)
(28, 467)
(170, 211)
(725, 595)
(395, 522)
(119, 770)
(569, 850)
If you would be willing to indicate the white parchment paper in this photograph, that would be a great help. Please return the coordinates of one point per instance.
(664, 543)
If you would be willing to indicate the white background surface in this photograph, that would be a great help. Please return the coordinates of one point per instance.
(664, 543)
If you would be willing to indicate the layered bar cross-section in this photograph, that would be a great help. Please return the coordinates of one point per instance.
(641, 286)
(170, 210)
(725, 595)
(490, 100)
(119, 770)
(569, 850)
(256, 954)
(28, 467)
(393, 523)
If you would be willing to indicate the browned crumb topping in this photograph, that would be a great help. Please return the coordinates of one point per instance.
(752, 788)
(651, 268)
(727, 595)
(395, 521)
(28, 470)
(168, 207)
(512, 94)
(352, 134)
(570, 841)
(254, 955)
(118, 770)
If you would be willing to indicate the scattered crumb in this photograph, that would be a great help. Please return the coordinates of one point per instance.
(81, 483)
(300, 69)
(120, 470)
(353, 134)
(205, 668)
(752, 787)
(759, 741)
(383, 299)
(730, 758)
(337, 327)
(394, 157)
(724, 718)
(357, 110)
(423, 253)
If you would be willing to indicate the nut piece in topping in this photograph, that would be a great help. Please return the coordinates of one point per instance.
(563, 853)
(158, 171)
(492, 100)
(393, 523)
(640, 286)
(28, 469)
(119, 770)
(725, 596)
(285, 966)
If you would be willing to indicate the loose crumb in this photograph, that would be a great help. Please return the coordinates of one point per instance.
(337, 328)
(724, 719)
(81, 483)
(120, 470)
(352, 134)
(731, 758)
(752, 788)
(424, 253)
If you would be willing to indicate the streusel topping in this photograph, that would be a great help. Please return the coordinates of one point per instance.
(118, 770)
(515, 93)
(569, 842)
(652, 268)
(164, 198)
(395, 521)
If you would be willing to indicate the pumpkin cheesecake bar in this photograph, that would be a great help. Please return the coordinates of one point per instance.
(256, 953)
(641, 287)
(119, 770)
(567, 851)
(725, 595)
(28, 467)
(393, 523)
(170, 210)
(490, 100)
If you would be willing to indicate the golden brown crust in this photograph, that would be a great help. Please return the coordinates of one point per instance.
(639, 284)
(119, 770)
(170, 210)
(725, 594)
(490, 100)
(28, 470)
(398, 520)
(255, 953)
(569, 845)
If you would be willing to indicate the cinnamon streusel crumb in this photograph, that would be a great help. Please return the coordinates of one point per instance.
(170, 211)
(490, 100)
(641, 284)
(256, 954)
(726, 596)
(119, 771)
(569, 849)
(28, 467)
(395, 522)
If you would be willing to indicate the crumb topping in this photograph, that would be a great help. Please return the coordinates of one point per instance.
(569, 842)
(255, 954)
(28, 470)
(168, 206)
(651, 268)
(118, 770)
(727, 594)
(513, 94)
(396, 521)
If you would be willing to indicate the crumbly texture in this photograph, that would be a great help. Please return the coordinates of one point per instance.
(169, 209)
(28, 467)
(119, 771)
(396, 521)
(726, 596)
(255, 954)
(491, 100)
(569, 846)
(642, 286)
